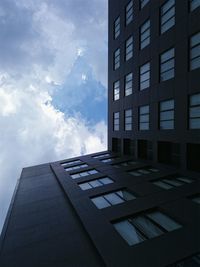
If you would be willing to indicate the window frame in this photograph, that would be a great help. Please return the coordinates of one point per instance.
(141, 75)
(129, 48)
(167, 61)
(166, 12)
(167, 110)
(116, 119)
(192, 47)
(144, 114)
(190, 107)
(128, 126)
(116, 59)
(117, 27)
(143, 32)
(129, 9)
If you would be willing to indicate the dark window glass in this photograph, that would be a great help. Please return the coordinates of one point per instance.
(116, 90)
(194, 4)
(167, 16)
(128, 119)
(145, 34)
(117, 28)
(171, 182)
(145, 76)
(167, 65)
(129, 12)
(117, 59)
(128, 84)
(143, 3)
(116, 121)
(167, 115)
(195, 51)
(129, 48)
(144, 117)
(194, 112)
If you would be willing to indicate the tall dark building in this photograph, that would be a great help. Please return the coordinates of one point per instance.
(137, 204)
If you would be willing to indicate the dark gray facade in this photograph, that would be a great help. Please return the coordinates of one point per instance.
(179, 146)
(137, 204)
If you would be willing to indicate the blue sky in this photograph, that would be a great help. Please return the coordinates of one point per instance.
(53, 84)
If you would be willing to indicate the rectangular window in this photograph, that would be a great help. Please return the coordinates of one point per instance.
(194, 4)
(144, 117)
(116, 121)
(145, 34)
(117, 59)
(136, 229)
(195, 51)
(167, 16)
(117, 28)
(95, 183)
(144, 171)
(72, 168)
(70, 162)
(116, 90)
(101, 156)
(83, 174)
(171, 182)
(167, 65)
(145, 76)
(128, 84)
(143, 3)
(128, 120)
(129, 48)
(129, 12)
(109, 159)
(125, 164)
(167, 115)
(114, 198)
(194, 112)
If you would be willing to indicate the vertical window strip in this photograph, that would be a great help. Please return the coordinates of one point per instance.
(144, 117)
(195, 51)
(128, 119)
(117, 59)
(194, 112)
(145, 76)
(129, 48)
(128, 84)
(116, 90)
(167, 14)
(145, 34)
(116, 121)
(117, 28)
(129, 12)
(194, 4)
(167, 65)
(167, 115)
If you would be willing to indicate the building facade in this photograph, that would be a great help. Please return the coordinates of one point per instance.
(137, 204)
(154, 76)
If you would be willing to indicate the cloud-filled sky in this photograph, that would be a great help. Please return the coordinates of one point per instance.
(53, 84)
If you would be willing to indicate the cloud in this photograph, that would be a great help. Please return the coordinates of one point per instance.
(44, 43)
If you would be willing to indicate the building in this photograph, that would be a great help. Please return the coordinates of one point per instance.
(137, 204)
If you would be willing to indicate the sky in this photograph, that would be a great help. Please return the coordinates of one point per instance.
(53, 84)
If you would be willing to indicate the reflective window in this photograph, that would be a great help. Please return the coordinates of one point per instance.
(117, 59)
(113, 198)
(117, 28)
(195, 51)
(101, 156)
(70, 162)
(167, 16)
(144, 117)
(109, 159)
(129, 12)
(167, 115)
(129, 48)
(72, 168)
(194, 4)
(143, 3)
(139, 228)
(83, 174)
(194, 112)
(145, 76)
(140, 172)
(116, 90)
(145, 34)
(167, 65)
(95, 183)
(171, 182)
(128, 84)
(128, 120)
(116, 121)
(125, 164)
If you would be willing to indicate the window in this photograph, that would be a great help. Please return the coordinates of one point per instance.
(167, 63)
(196, 199)
(140, 172)
(167, 115)
(171, 182)
(113, 198)
(125, 164)
(101, 156)
(144, 118)
(95, 183)
(129, 12)
(145, 34)
(195, 51)
(128, 119)
(116, 88)
(70, 162)
(117, 28)
(83, 174)
(194, 4)
(129, 48)
(116, 121)
(72, 168)
(167, 16)
(194, 112)
(109, 159)
(117, 59)
(145, 76)
(143, 3)
(139, 228)
(128, 84)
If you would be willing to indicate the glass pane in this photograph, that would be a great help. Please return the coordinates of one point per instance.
(195, 99)
(167, 65)
(167, 6)
(194, 4)
(100, 202)
(95, 183)
(195, 39)
(149, 229)
(144, 85)
(93, 172)
(166, 125)
(144, 126)
(167, 115)
(113, 198)
(85, 186)
(154, 170)
(134, 173)
(195, 52)
(106, 180)
(162, 185)
(173, 182)
(82, 174)
(125, 195)
(145, 68)
(128, 232)
(167, 55)
(144, 118)
(145, 76)
(195, 63)
(170, 23)
(195, 112)
(185, 179)
(75, 176)
(144, 109)
(163, 220)
(167, 75)
(143, 171)
(168, 15)
(195, 123)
